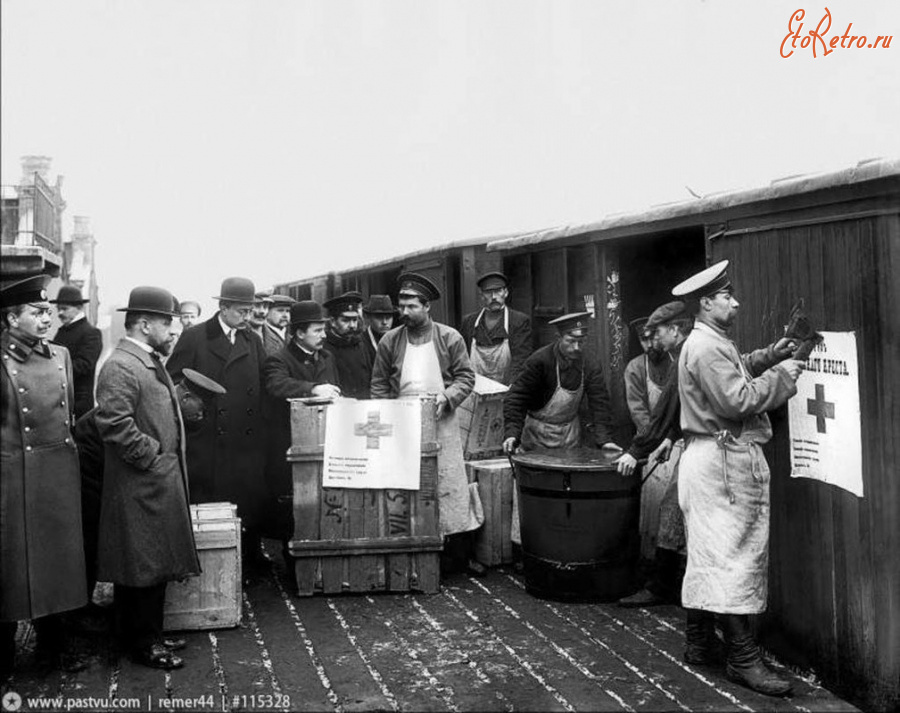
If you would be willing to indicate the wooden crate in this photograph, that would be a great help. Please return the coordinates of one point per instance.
(493, 543)
(354, 540)
(212, 600)
(481, 419)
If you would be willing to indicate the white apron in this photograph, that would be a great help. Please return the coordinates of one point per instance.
(493, 361)
(421, 375)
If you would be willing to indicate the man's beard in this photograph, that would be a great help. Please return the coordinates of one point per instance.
(656, 356)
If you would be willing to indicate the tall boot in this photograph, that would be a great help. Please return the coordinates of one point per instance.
(701, 648)
(744, 665)
(7, 647)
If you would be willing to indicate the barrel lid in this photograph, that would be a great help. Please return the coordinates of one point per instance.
(568, 459)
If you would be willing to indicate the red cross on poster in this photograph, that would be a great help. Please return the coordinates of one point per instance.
(373, 444)
(826, 441)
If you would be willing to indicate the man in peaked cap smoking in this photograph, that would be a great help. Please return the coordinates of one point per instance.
(379, 316)
(84, 342)
(644, 376)
(344, 344)
(499, 338)
(424, 357)
(541, 408)
(723, 480)
(145, 535)
(42, 557)
(226, 453)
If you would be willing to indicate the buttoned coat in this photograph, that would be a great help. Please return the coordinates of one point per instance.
(145, 522)
(272, 341)
(85, 344)
(354, 368)
(226, 454)
(41, 550)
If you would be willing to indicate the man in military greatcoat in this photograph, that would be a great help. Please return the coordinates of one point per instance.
(344, 344)
(41, 551)
(379, 315)
(145, 534)
(84, 342)
(499, 338)
(226, 454)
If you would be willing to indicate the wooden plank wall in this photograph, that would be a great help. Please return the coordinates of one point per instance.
(835, 579)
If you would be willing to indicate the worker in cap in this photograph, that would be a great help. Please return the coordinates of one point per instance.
(723, 479)
(189, 313)
(644, 375)
(226, 451)
(278, 318)
(499, 337)
(42, 557)
(302, 369)
(424, 357)
(343, 341)
(379, 313)
(261, 303)
(661, 444)
(541, 408)
(83, 340)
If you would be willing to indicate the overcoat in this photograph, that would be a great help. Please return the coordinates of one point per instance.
(226, 454)
(354, 368)
(272, 341)
(85, 344)
(41, 549)
(145, 521)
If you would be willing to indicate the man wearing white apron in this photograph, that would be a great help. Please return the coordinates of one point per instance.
(645, 376)
(499, 338)
(424, 357)
(661, 444)
(723, 486)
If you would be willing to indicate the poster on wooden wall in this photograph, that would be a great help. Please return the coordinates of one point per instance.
(826, 442)
(373, 444)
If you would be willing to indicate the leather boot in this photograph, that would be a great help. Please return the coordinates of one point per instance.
(701, 645)
(744, 665)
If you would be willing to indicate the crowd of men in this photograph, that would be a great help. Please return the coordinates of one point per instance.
(201, 414)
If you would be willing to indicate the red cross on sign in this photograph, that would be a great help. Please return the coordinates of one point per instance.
(373, 429)
(820, 408)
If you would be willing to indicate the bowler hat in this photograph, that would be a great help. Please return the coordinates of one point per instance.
(666, 313)
(574, 324)
(379, 304)
(27, 291)
(201, 385)
(492, 281)
(237, 289)
(705, 283)
(416, 285)
(306, 311)
(69, 295)
(155, 300)
(347, 302)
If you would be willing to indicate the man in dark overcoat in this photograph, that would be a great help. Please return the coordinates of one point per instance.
(344, 344)
(226, 454)
(84, 342)
(145, 538)
(379, 316)
(41, 551)
(301, 369)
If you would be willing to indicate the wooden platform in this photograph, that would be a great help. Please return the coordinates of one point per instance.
(478, 645)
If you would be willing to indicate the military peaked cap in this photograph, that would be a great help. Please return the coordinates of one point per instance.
(415, 285)
(574, 324)
(27, 291)
(201, 385)
(705, 283)
(347, 302)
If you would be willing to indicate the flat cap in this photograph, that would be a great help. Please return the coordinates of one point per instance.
(639, 326)
(575, 324)
(706, 282)
(306, 311)
(379, 304)
(666, 313)
(69, 295)
(262, 297)
(27, 291)
(347, 302)
(154, 300)
(237, 289)
(187, 304)
(416, 285)
(281, 301)
(201, 385)
(492, 281)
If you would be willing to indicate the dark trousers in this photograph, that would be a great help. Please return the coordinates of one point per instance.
(139, 615)
(7, 645)
(667, 574)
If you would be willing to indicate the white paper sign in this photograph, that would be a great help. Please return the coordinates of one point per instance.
(826, 441)
(373, 444)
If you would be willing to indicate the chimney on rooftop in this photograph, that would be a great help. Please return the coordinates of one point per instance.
(35, 164)
(82, 225)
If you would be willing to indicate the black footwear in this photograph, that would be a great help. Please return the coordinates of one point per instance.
(744, 665)
(701, 645)
(476, 569)
(643, 598)
(157, 656)
(174, 644)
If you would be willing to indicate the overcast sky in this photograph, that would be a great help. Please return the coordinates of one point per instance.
(285, 138)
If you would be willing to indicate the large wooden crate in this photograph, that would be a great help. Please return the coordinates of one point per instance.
(493, 543)
(481, 419)
(212, 600)
(354, 540)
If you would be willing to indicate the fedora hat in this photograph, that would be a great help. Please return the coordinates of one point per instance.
(69, 295)
(154, 300)
(379, 304)
(306, 311)
(237, 289)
